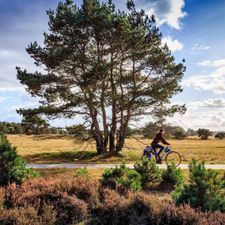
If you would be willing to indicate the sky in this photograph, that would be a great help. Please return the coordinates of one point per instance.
(193, 30)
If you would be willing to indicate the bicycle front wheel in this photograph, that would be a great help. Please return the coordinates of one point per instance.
(173, 157)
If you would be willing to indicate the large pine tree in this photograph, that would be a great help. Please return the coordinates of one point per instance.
(104, 64)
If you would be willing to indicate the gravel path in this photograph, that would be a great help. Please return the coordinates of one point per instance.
(103, 166)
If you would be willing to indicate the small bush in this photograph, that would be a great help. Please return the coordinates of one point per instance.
(205, 189)
(20, 216)
(71, 210)
(12, 167)
(220, 136)
(148, 170)
(223, 179)
(179, 133)
(83, 173)
(110, 198)
(172, 176)
(122, 177)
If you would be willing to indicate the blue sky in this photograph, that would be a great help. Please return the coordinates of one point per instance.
(193, 29)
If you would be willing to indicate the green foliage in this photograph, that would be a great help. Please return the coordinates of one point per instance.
(29, 128)
(172, 176)
(83, 172)
(86, 51)
(148, 170)
(205, 189)
(12, 167)
(220, 135)
(10, 128)
(122, 176)
(179, 133)
(78, 131)
(223, 179)
(33, 124)
(204, 133)
(151, 129)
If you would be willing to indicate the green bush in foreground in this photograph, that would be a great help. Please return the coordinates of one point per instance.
(205, 189)
(148, 170)
(172, 176)
(12, 167)
(122, 176)
(82, 172)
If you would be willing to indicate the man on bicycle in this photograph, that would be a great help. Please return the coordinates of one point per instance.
(155, 144)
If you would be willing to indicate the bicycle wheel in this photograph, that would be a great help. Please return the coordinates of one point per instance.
(173, 157)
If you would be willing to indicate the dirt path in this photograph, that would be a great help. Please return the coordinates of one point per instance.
(103, 166)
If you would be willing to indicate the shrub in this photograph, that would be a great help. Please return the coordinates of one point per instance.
(220, 135)
(110, 198)
(83, 173)
(122, 176)
(172, 176)
(179, 133)
(70, 201)
(71, 210)
(223, 179)
(148, 170)
(22, 216)
(204, 133)
(12, 167)
(205, 189)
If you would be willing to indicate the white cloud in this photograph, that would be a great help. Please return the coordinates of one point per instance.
(200, 47)
(197, 118)
(2, 99)
(212, 63)
(208, 103)
(9, 59)
(214, 81)
(166, 11)
(174, 45)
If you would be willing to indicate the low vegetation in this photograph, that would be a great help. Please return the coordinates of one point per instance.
(205, 189)
(72, 201)
(12, 166)
(172, 176)
(149, 171)
(122, 178)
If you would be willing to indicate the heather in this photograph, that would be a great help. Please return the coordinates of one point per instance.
(79, 200)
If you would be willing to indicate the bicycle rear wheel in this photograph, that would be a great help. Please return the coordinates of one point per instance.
(173, 157)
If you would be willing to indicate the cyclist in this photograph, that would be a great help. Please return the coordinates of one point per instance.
(155, 144)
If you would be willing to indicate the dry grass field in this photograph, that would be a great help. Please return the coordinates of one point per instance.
(59, 149)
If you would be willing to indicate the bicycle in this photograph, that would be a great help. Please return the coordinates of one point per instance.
(170, 155)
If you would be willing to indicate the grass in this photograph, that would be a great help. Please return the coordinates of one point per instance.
(69, 173)
(65, 149)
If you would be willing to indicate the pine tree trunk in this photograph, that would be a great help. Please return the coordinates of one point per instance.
(111, 141)
(120, 143)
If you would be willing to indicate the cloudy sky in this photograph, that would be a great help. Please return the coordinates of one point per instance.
(193, 29)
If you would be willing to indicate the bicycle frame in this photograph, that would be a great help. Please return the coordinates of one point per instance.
(166, 151)
(149, 150)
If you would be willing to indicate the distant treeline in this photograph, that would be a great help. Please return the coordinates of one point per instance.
(19, 128)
